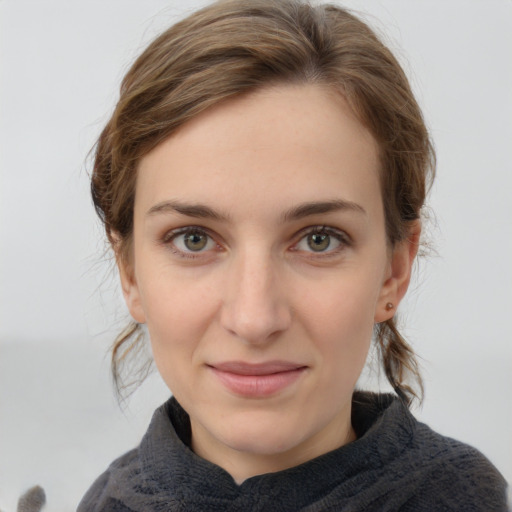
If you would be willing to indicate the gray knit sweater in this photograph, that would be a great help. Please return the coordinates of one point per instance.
(396, 464)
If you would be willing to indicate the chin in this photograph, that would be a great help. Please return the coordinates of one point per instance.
(262, 435)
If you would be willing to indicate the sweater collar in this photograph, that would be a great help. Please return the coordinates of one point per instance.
(384, 427)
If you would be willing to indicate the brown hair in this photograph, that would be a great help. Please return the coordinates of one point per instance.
(236, 46)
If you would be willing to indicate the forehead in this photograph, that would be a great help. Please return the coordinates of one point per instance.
(266, 150)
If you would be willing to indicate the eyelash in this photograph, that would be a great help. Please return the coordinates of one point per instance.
(340, 236)
(170, 237)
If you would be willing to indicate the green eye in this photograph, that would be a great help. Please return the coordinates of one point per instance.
(322, 240)
(318, 242)
(195, 241)
(189, 240)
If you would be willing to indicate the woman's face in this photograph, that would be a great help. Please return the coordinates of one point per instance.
(260, 266)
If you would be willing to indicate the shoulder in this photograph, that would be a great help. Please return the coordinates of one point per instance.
(415, 469)
(451, 475)
(132, 482)
(105, 492)
(445, 452)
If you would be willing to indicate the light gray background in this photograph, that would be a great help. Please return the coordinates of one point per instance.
(61, 64)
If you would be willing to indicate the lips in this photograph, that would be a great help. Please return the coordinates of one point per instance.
(257, 380)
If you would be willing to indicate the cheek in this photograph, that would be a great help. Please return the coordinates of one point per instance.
(344, 304)
(339, 318)
(178, 312)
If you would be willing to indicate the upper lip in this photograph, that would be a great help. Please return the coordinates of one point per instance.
(266, 368)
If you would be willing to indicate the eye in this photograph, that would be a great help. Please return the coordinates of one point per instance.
(318, 242)
(322, 239)
(187, 241)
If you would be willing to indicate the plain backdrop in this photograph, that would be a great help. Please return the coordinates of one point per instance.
(61, 63)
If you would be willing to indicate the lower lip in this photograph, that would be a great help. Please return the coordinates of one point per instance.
(258, 386)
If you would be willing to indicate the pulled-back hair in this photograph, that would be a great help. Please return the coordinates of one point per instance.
(234, 47)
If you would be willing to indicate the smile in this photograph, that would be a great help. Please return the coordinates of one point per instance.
(257, 380)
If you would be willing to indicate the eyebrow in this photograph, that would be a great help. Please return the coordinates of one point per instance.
(296, 213)
(318, 207)
(199, 211)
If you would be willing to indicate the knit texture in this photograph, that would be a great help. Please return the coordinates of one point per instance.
(396, 464)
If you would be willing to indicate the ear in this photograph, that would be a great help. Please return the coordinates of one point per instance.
(131, 290)
(398, 274)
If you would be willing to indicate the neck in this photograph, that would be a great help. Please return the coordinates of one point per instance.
(245, 462)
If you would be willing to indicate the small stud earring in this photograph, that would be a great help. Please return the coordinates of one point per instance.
(389, 306)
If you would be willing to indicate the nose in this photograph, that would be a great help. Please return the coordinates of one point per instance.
(255, 308)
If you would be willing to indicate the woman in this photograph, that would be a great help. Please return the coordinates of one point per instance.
(261, 182)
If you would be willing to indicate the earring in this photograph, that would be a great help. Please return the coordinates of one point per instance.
(389, 306)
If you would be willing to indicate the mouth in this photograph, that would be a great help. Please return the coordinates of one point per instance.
(257, 380)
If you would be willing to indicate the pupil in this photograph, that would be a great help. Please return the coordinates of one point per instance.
(195, 241)
(318, 242)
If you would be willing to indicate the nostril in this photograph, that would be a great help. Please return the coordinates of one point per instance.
(254, 307)
(256, 326)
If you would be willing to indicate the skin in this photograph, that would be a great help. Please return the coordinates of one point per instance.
(254, 284)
